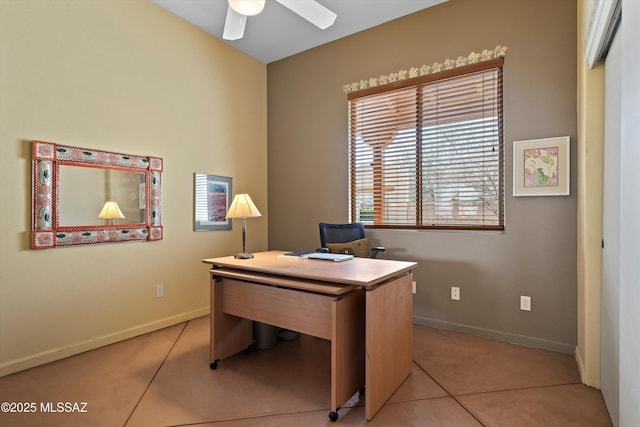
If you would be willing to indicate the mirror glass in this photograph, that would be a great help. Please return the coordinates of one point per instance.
(83, 192)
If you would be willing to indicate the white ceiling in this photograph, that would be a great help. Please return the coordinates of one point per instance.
(277, 32)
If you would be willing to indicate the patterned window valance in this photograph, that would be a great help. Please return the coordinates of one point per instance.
(436, 67)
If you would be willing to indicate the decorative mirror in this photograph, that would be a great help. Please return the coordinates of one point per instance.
(83, 196)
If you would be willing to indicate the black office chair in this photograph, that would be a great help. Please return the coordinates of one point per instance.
(347, 238)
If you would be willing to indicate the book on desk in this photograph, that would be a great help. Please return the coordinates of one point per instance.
(317, 255)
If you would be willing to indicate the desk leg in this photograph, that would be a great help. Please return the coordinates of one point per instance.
(389, 341)
(347, 348)
(229, 334)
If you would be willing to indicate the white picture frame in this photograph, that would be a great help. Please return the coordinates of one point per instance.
(541, 167)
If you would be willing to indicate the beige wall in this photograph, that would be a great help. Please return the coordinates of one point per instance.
(590, 104)
(127, 76)
(535, 256)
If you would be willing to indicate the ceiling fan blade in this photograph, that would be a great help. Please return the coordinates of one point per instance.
(234, 25)
(312, 11)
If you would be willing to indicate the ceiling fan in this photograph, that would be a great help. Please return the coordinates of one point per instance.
(238, 11)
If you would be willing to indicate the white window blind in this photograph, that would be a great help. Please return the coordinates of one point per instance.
(428, 152)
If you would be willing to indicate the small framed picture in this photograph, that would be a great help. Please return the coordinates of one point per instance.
(541, 167)
(212, 197)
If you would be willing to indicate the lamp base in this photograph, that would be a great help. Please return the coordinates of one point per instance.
(243, 255)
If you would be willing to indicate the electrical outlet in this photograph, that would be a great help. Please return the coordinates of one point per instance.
(413, 287)
(455, 293)
(159, 291)
(525, 303)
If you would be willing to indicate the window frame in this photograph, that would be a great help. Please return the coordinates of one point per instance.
(419, 82)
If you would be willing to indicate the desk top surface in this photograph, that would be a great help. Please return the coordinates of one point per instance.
(358, 271)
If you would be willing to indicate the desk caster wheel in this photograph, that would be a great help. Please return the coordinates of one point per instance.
(361, 391)
(214, 365)
(333, 416)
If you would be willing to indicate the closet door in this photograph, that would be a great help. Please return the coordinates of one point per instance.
(610, 302)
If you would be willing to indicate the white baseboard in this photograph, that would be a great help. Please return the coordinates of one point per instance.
(534, 342)
(51, 355)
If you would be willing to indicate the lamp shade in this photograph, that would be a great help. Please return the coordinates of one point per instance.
(247, 7)
(242, 207)
(110, 210)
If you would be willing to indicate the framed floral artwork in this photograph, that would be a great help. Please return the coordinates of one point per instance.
(541, 167)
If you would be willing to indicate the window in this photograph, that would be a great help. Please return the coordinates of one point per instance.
(428, 152)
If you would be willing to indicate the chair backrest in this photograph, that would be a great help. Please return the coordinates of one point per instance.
(340, 233)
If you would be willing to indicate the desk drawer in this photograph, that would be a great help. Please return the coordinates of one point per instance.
(304, 312)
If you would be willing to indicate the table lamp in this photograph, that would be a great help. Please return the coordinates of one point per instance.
(110, 210)
(242, 207)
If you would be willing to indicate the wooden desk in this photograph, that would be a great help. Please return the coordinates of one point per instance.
(363, 306)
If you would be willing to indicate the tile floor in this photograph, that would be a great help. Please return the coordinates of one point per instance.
(163, 379)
